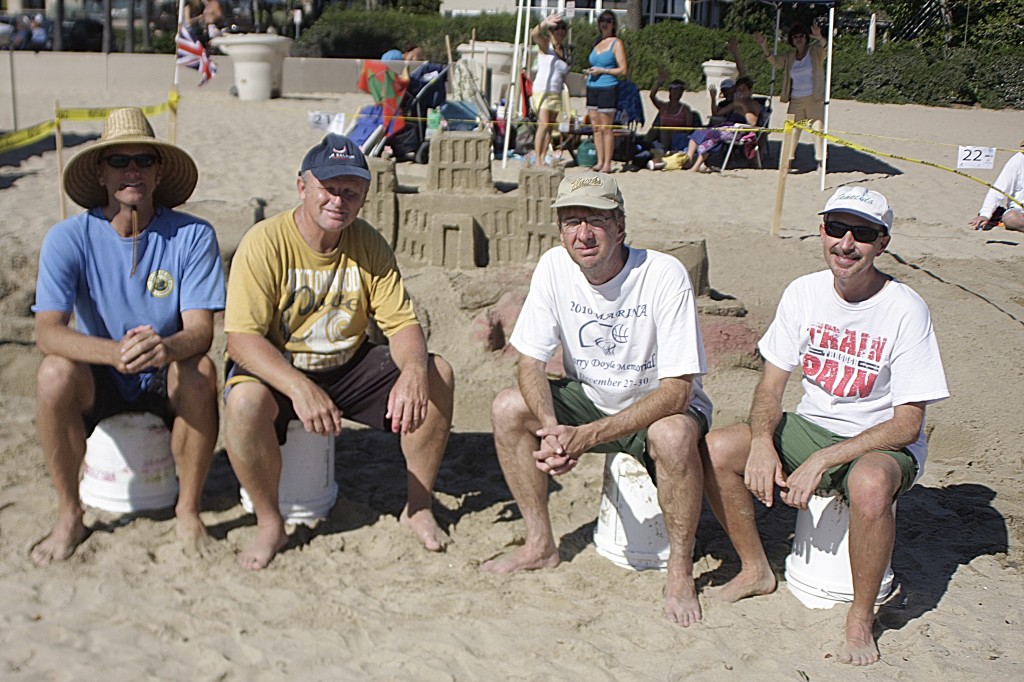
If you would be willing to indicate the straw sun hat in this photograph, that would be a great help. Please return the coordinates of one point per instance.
(178, 172)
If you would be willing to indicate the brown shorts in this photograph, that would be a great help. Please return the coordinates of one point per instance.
(359, 388)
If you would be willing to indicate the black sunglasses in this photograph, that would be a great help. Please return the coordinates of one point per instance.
(864, 235)
(606, 21)
(122, 160)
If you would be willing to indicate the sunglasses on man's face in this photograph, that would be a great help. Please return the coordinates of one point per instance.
(864, 235)
(122, 160)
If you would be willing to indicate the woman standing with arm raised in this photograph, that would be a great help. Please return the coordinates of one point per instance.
(803, 78)
(607, 66)
(552, 65)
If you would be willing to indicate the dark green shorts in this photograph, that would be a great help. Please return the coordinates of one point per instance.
(574, 408)
(796, 439)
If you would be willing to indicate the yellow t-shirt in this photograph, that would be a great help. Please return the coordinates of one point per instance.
(315, 307)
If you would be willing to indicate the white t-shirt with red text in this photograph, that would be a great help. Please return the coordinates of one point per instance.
(859, 360)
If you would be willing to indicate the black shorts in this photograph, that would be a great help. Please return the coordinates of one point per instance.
(360, 388)
(603, 99)
(108, 401)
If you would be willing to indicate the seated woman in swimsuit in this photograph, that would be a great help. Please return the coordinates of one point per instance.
(742, 112)
(673, 114)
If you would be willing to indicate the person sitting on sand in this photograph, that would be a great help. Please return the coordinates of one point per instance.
(865, 346)
(671, 126)
(143, 282)
(303, 286)
(626, 321)
(742, 112)
(1010, 181)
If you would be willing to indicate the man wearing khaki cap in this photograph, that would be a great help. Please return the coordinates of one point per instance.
(870, 363)
(626, 320)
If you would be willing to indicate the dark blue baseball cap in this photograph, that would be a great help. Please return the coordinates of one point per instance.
(334, 157)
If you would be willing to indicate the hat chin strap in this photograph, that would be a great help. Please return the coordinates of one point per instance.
(135, 240)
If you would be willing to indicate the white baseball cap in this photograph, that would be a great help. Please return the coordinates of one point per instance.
(863, 202)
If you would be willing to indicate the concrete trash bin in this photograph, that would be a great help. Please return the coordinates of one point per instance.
(258, 61)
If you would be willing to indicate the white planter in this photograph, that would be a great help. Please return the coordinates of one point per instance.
(258, 60)
(495, 58)
(715, 70)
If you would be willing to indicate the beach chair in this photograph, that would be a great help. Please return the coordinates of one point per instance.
(754, 144)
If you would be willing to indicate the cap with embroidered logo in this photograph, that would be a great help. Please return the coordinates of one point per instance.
(863, 202)
(592, 190)
(334, 157)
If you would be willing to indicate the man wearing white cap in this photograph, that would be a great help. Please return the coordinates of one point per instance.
(870, 364)
(626, 320)
(143, 282)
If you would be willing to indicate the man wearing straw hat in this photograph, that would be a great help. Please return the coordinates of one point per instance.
(303, 286)
(626, 320)
(870, 364)
(143, 282)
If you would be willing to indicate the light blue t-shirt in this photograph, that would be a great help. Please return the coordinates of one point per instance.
(85, 268)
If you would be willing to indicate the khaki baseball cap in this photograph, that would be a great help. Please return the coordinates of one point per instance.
(592, 190)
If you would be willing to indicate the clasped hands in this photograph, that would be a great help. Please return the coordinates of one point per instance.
(560, 448)
(764, 471)
(141, 348)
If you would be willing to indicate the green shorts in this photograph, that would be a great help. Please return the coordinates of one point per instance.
(796, 439)
(574, 408)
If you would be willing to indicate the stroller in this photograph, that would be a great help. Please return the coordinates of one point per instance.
(405, 133)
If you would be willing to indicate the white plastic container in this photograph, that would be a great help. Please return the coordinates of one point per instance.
(818, 566)
(630, 528)
(717, 70)
(258, 61)
(308, 491)
(128, 465)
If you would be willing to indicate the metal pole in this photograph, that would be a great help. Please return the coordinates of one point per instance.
(515, 68)
(828, 95)
(775, 49)
(14, 98)
(872, 30)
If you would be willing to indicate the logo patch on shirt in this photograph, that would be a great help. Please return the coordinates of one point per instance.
(160, 283)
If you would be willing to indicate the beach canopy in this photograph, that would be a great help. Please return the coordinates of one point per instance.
(831, 4)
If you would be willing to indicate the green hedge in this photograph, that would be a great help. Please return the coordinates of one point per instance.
(896, 72)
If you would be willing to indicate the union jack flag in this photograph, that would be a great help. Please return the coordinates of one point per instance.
(192, 54)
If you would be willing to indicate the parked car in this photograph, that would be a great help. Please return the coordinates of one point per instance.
(82, 35)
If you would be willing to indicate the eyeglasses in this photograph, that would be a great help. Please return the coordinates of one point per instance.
(122, 160)
(606, 21)
(598, 222)
(864, 235)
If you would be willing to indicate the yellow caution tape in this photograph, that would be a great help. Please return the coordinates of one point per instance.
(26, 136)
(802, 125)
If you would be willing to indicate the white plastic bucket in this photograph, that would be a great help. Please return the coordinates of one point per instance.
(307, 491)
(818, 566)
(128, 465)
(630, 529)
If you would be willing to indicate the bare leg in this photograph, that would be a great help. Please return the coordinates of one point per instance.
(609, 142)
(543, 137)
(514, 426)
(192, 390)
(424, 450)
(64, 391)
(674, 443)
(256, 458)
(733, 505)
(1014, 220)
(872, 486)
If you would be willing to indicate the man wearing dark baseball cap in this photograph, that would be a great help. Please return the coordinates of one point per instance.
(864, 345)
(626, 320)
(302, 288)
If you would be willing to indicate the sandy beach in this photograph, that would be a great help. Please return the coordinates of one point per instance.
(357, 598)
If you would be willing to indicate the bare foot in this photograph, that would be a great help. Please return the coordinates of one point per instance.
(192, 534)
(748, 583)
(270, 539)
(859, 647)
(681, 604)
(523, 559)
(66, 536)
(425, 526)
